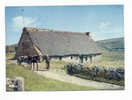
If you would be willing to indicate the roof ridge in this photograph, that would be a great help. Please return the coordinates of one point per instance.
(33, 29)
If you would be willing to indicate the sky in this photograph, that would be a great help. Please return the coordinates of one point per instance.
(103, 21)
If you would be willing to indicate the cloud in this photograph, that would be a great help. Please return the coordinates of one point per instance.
(107, 27)
(104, 26)
(17, 23)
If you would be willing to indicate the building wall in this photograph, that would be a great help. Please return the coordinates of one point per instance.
(71, 59)
(25, 46)
(76, 59)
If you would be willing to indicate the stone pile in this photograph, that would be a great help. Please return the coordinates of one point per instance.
(96, 72)
(15, 84)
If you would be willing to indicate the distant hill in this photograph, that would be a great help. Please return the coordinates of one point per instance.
(115, 44)
(11, 48)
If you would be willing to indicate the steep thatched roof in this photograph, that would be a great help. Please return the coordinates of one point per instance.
(59, 43)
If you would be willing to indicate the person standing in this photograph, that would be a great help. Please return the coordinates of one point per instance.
(33, 62)
(47, 60)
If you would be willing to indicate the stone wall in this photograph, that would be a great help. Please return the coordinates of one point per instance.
(15, 84)
(97, 73)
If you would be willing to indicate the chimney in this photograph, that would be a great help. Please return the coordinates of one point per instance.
(88, 34)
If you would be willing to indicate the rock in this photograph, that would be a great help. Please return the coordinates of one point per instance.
(15, 84)
(98, 72)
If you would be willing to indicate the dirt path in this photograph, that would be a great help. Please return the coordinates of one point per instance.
(62, 76)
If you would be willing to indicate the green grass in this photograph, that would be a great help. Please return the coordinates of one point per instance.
(111, 59)
(35, 82)
(54, 64)
(113, 55)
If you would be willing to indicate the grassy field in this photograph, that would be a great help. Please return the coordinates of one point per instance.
(55, 64)
(111, 59)
(35, 82)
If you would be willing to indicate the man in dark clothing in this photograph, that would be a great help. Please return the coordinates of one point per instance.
(47, 60)
(29, 59)
(34, 61)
